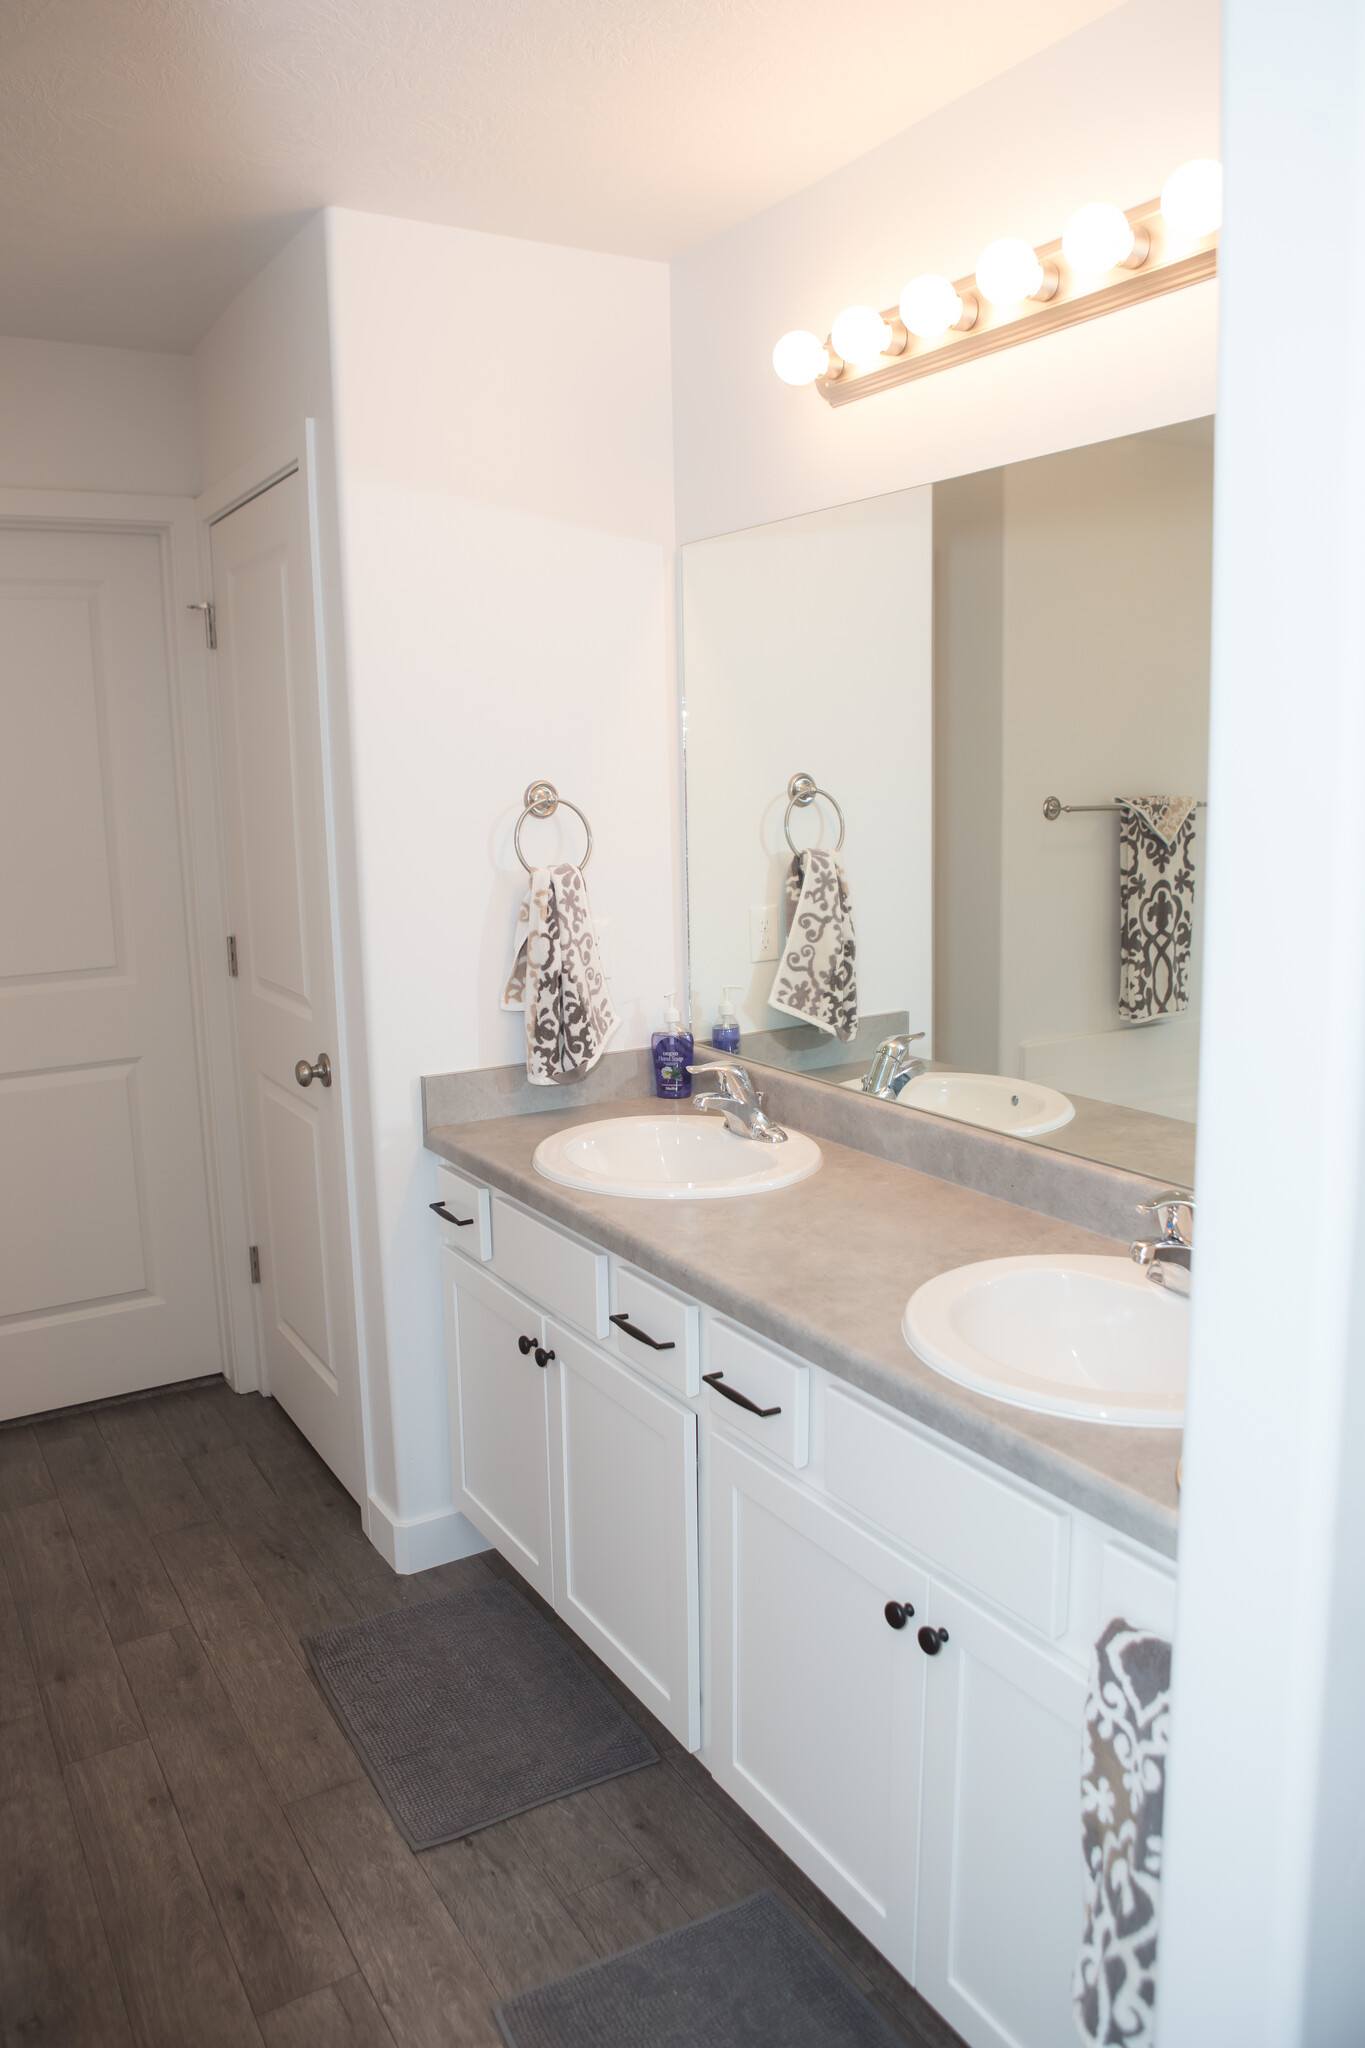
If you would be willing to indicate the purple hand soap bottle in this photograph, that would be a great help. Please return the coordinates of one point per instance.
(672, 1051)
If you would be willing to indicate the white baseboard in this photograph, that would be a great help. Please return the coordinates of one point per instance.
(426, 1540)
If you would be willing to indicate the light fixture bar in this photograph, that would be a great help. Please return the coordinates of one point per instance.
(1169, 266)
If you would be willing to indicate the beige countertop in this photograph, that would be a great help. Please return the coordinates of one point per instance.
(826, 1268)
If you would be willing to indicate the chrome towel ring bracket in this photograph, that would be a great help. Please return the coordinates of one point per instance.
(803, 790)
(542, 800)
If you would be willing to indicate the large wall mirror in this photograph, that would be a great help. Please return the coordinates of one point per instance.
(946, 775)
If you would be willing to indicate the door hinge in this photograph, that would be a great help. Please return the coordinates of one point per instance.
(232, 954)
(210, 621)
(255, 1265)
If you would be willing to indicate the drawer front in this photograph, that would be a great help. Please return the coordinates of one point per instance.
(1137, 1592)
(1014, 1550)
(465, 1214)
(559, 1271)
(655, 1330)
(739, 1364)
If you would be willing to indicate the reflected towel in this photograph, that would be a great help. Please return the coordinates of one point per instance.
(1123, 1792)
(817, 976)
(557, 979)
(1156, 904)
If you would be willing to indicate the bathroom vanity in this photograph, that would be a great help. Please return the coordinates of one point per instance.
(864, 1596)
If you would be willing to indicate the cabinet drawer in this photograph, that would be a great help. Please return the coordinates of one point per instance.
(471, 1231)
(1014, 1550)
(556, 1269)
(738, 1364)
(1135, 1591)
(656, 1330)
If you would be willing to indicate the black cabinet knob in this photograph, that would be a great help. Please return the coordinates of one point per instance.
(525, 1345)
(931, 1640)
(897, 1614)
(543, 1356)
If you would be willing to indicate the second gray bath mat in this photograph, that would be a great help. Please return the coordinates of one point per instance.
(471, 1708)
(747, 1977)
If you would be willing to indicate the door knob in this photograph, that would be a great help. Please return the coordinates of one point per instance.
(543, 1356)
(897, 1613)
(931, 1640)
(526, 1345)
(322, 1071)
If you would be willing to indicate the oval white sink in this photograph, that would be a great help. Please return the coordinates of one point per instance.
(995, 1102)
(671, 1159)
(1088, 1337)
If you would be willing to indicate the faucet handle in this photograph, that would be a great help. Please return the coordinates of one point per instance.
(1166, 1208)
(735, 1078)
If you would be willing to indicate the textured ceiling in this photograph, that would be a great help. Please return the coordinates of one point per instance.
(155, 153)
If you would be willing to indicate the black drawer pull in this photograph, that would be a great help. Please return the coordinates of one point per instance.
(543, 1356)
(526, 1345)
(716, 1380)
(460, 1222)
(623, 1322)
(931, 1640)
(898, 1613)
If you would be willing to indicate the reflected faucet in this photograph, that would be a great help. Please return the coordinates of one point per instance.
(1166, 1259)
(893, 1064)
(739, 1103)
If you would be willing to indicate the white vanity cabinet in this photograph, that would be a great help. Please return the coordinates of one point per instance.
(499, 1417)
(817, 1701)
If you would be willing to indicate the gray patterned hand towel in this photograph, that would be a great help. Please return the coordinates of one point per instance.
(817, 976)
(1156, 904)
(557, 979)
(1123, 1791)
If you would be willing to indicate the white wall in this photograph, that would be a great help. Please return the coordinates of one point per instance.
(1264, 1876)
(74, 418)
(508, 534)
(1108, 112)
(808, 646)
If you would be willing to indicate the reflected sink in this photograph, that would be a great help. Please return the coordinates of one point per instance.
(1088, 1337)
(995, 1102)
(672, 1159)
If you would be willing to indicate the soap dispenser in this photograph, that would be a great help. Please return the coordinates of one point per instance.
(725, 1030)
(672, 1051)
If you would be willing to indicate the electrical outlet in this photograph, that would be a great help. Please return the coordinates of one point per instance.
(763, 931)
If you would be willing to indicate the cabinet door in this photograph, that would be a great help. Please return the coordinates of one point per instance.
(499, 1418)
(624, 1485)
(817, 1707)
(1000, 1864)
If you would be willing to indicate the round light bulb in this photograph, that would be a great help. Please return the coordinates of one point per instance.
(800, 357)
(860, 335)
(1097, 238)
(930, 306)
(1008, 272)
(1192, 199)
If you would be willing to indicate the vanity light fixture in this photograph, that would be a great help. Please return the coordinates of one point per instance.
(1105, 259)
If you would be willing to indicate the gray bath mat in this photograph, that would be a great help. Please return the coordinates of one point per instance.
(468, 1709)
(747, 1977)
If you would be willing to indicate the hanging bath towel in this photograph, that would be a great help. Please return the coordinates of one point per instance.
(817, 976)
(1156, 904)
(1123, 1791)
(557, 979)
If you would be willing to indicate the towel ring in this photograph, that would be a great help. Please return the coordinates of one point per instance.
(542, 800)
(802, 790)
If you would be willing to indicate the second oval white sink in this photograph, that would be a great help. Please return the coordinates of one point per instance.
(1086, 1337)
(994, 1102)
(671, 1159)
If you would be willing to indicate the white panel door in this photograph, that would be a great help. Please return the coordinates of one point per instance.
(275, 822)
(624, 1491)
(106, 1271)
(499, 1417)
(817, 1699)
(1000, 1893)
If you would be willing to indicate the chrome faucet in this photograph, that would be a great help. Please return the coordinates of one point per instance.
(1166, 1259)
(893, 1064)
(739, 1103)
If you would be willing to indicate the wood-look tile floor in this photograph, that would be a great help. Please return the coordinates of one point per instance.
(190, 1853)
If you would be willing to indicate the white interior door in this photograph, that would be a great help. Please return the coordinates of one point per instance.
(275, 822)
(106, 1271)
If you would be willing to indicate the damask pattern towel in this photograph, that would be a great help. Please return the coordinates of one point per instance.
(817, 976)
(557, 979)
(1123, 1791)
(1156, 904)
